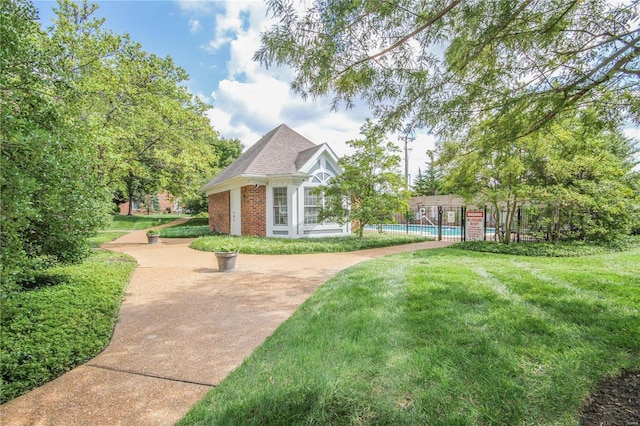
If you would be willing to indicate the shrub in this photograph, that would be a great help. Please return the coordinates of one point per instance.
(544, 249)
(66, 317)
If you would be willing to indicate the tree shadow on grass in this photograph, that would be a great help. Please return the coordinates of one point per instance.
(44, 280)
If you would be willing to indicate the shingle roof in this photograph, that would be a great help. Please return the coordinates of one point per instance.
(306, 155)
(280, 151)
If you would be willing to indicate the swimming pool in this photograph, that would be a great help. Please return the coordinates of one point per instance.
(426, 230)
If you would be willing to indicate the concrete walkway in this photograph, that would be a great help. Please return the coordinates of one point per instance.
(183, 327)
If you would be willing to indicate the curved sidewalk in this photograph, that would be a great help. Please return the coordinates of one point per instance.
(182, 328)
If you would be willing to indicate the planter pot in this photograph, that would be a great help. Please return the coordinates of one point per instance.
(226, 260)
(153, 239)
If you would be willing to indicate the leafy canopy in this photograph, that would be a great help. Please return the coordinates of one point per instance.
(50, 201)
(148, 133)
(449, 64)
(86, 117)
(429, 182)
(371, 188)
(578, 175)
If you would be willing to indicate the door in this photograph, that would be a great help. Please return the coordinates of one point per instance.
(236, 218)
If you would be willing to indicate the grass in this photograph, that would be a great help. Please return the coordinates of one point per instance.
(104, 237)
(194, 228)
(66, 318)
(442, 337)
(123, 222)
(261, 245)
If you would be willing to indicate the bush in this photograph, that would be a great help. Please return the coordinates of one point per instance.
(544, 249)
(197, 204)
(64, 318)
(263, 245)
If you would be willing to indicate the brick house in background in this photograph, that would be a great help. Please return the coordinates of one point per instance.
(165, 202)
(267, 191)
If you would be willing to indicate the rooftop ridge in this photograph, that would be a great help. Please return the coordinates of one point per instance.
(280, 147)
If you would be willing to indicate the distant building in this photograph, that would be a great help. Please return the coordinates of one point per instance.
(165, 205)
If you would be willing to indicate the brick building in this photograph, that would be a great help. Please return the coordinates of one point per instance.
(165, 204)
(267, 191)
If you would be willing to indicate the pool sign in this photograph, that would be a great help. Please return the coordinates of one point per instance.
(451, 217)
(474, 229)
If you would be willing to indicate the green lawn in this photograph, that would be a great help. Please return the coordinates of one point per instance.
(443, 337)
(64, 319)
(124, 222)
(195, 227)
(261, 245)
(105, 237)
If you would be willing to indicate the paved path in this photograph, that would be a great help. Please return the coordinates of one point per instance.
(182, 328)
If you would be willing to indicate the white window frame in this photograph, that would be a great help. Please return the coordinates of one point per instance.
(321, 176)
(280, 210)
(319, 198)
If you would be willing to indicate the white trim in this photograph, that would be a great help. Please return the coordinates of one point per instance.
(235, 212)
(317, 229)
(326, 151)
(236, 182)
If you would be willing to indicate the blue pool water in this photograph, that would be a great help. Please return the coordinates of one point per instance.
(427, 230)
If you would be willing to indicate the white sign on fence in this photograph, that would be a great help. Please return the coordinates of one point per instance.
(451, 217)
(474, 226)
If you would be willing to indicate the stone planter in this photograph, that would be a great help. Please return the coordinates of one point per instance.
(153, 239)
(226, 260)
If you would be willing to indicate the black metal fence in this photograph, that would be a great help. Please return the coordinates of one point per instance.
(447, 223)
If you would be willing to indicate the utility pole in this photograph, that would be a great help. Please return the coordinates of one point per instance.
(408, 136)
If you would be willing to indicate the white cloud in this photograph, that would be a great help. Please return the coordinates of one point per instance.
(195, 6)
(194, 25)
(253, 100)
(204, 98)
(231, 22)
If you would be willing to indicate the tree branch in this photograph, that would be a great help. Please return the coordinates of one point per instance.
(405, 38)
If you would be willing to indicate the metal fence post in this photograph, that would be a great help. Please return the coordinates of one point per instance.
(439, 223)
(407, 215)
(519, 224)
(484, 226)
(463, 224)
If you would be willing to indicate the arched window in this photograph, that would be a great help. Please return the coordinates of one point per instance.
(321, 177)
(314, 201)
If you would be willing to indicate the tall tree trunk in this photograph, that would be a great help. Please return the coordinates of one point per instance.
(130, 193)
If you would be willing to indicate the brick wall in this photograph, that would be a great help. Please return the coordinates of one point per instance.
(164, 201)
(219, 208)
(253, 202)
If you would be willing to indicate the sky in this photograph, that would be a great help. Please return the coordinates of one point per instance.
(214, 41)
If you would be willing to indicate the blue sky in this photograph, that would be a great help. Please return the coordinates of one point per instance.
(167, 28)
(214, 41)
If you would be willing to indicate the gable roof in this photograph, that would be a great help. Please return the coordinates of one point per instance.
(305, 156)
(281, 151)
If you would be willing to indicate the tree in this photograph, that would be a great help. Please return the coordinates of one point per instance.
(579, 175)
(85, 113)
(449, 65)
(585, 185)
(487, 173)
(429, 183)
(49, 198)
(146, 130)
(371, 187)
(227, 150)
